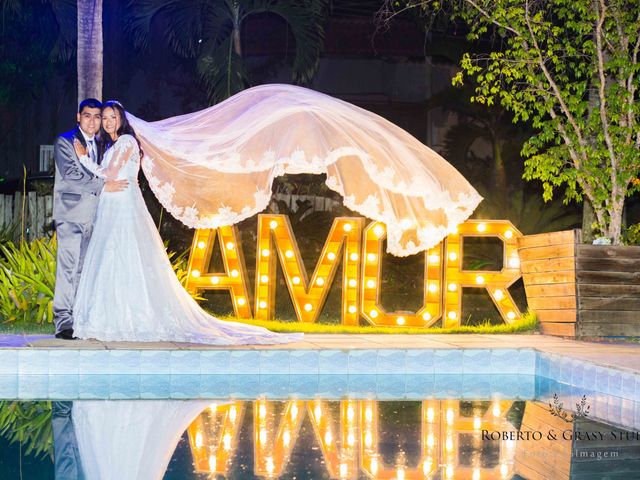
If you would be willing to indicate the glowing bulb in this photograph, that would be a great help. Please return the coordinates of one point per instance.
(511, 315)
(476, 474)
(354, 257)
(215, 280)
(504, 470)
(262, 436)
(433, 287)
(350, 413)
(262, 304)
(212, 463)
(406, 224)
(308, 307)
(448, 471)
(368, 439)
(430, 440)
(226, 441)
(195, 273)
(264, 278)
(373, 313)
(201, 244)
(477, 422)
(328, 438)
(262, 411)
(343, 470)
(230, 245)
(286, 438)
(265, 252)
(496, 409)
(508, 234)
(453, 256)
(430, 414)
(368, 414)
(452, 315)
(371, 257)
(234, 273)
(296, 280)
(449, 416)
(448, 445)
(353, 282)
(273, 224)
(400, 320)
(480, 280)
(320, 281)
(318, 413)
(270, 466)
(241, 301)
(482, 227)
(498, 295)
(331, 256)
(426, 316)
(452, 287)
(374, 466)
(347, 227)
(434, 259)
(514, 262)
(378, 230)
(232, 414)
(351, 439)
(288, 254)
(400, 473)
(426, 467)
(352, 309)
(371, 283)
(199, 440)
(294, 411)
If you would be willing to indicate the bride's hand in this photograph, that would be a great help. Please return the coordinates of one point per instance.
(80, 149)
(115, 185)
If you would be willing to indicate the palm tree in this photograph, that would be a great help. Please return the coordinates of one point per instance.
(90, 49)
(211, 31)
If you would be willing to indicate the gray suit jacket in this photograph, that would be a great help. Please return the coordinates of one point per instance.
(76, 190)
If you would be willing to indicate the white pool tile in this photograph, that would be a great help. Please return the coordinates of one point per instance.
(185, 362)
(214, 362)
(33, 362)
(274, 362)
(304, 362)
(155, 362)
(244, 362)
(333, 362)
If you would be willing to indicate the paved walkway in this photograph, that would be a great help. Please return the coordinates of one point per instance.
(624, 356)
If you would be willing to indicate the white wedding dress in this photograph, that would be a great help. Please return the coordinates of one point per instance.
(128, 290)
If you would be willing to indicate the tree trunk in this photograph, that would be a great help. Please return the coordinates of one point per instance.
(615, 222)
(499, 172)
(588, 219)
(89, 49)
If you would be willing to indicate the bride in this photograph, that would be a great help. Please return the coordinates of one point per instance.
(128, 290)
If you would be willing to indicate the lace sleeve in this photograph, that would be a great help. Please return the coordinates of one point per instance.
(125, 149)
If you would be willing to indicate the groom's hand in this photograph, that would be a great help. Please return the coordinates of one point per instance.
(115, 185)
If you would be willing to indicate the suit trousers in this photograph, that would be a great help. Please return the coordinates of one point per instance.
(73, 240)
(67, 463)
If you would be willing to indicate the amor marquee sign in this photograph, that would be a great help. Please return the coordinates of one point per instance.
(359, 248)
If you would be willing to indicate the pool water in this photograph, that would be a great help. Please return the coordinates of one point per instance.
(335, 427)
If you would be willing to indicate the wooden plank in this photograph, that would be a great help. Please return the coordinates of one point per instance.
(551, 303)
(556, 290)
(619, 278)
(547, 265)
(560, 329)
(556, 316)
(599, 329)
(2, 222)
(547, 239)
(608, 264)
(608, 251)
(39, 217)
(599, 290)
(31, 202)
(48, 213)
(610, 302)
(550, 252)
(545, 278)
(610, 316)
(17, 210)
(8, 210)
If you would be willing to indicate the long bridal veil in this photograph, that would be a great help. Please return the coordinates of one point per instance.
(215, 167)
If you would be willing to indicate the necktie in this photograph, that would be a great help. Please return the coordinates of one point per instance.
(91, 149)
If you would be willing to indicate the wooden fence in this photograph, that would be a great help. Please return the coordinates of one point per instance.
(33, 213)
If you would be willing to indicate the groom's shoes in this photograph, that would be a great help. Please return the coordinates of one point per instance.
(66, 334)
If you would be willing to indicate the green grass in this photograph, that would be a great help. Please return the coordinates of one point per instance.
(527, 324)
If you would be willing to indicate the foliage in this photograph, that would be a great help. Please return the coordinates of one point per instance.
(528, 323)
(27, 280)
(28, 423)
(211, 32)
(631, 234)
(570, 69)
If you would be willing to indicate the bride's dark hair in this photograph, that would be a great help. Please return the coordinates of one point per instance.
(125, 127)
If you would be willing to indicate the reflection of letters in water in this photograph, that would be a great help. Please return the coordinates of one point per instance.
(121, 440)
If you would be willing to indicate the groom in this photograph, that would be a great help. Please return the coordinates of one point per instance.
(75, 199)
